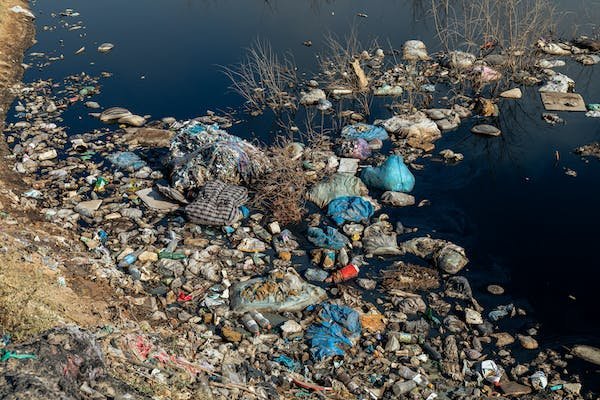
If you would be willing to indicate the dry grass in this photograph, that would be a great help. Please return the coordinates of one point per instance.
(481, 27)
(264, 79)
(281, 191)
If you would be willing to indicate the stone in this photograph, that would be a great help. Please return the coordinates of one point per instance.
(92, 104)
(514, 389)
(274, 228)
(153, 199)
(473, 317)
(105, 47)
(290, 328)
(503, 339)
(446, 125)
(252, 245)
(113, 114)
(398, 199)
(555, 101)
(450, 155)
(514, 93)
(495, 289)
(486, 130)
(312, 97)
(87, 208)
(587, 353)
(528, 342)
(148, 137)
(231, 335)
(48, 155)
(148, 256)
(132, 120)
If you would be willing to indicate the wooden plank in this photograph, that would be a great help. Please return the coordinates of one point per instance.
(554, 101)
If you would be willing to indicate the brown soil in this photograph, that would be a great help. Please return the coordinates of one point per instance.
(32, 295)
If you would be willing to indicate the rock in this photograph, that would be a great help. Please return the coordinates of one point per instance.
(503, 339)
(92, 104)
(449, 155)
(446, 125)
(48, 155)
(573, 388)
(587, 353)
(155, 200)
(132, 120)
(495, 289)
(252, 245)
(113, 114)
(148, 256)
(291, 328)
(528, 342)
(148, 137)
(312, 97)
(105, 47)
(87, 208)
(274, 228)
(514, 93)
(473, 317)
(231, 335)
(486, 130)
(514, 389)
(451, 258)
(398, 199)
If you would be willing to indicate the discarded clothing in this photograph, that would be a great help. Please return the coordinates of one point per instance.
(364, 131)
(333, 239)
(337, 325)
(218, 204)
(350, 208)
(392, 175)
(337, 185)
(200, 153)
(280, 291)
(127, 160)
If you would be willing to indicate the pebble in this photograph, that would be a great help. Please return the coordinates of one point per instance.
(503, 339)
(473, 317)
(486, 130)
(495, 289)
(514, 93)
(528, 342)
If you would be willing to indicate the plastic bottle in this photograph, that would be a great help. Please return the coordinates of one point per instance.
(350, 271)
(403, 387)
(250, 324)
(130, 258)
(262, 321)
(404, 337)
(408, 373)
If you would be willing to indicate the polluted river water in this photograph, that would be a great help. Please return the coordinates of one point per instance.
(525, 224)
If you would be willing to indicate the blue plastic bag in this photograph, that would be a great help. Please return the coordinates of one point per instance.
(364, 131)
(350, 208)
(332, 239)
(336, 326)
(127, 160)
(392, 175)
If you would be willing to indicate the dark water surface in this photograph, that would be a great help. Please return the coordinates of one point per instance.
(525, 224)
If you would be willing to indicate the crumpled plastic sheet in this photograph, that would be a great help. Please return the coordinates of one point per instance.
(355, 148)
(329, 239)
(337, 326)
(364, 131)
(201, 152)
(336, 186)
(350, 208)
(126, 160)
(558, 83)
(392, 175)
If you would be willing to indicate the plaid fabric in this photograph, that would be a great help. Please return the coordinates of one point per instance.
(217, 204)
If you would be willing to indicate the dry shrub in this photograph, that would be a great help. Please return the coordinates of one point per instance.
(410, 276)
(264, 79)
(281, 191)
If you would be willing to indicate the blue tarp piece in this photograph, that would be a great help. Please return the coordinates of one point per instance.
(350, 208)
(332, 239)
(126, 160)
(392, 175)
(336, 326)
(288, 362)
(364, 131)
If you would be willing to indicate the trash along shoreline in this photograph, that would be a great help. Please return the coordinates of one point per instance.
(223, 268)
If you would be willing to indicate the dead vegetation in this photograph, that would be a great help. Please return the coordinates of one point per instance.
(264, 79)
(281, 191)
(510, 27)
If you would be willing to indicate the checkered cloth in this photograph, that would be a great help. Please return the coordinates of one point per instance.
(217, 204)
